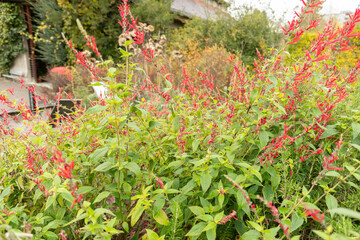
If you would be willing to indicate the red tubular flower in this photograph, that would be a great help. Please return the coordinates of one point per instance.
(314, 214)
(159, 182)
(66, 171)
(228, 217)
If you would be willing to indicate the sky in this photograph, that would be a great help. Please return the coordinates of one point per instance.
(286, 7)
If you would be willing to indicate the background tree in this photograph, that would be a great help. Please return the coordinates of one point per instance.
(250, 30)
(11, 27)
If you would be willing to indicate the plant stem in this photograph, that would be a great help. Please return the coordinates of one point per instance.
(337, 184)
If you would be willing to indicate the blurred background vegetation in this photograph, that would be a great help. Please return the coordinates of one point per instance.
(242, 34)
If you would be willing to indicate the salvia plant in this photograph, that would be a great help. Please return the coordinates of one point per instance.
(271, 156)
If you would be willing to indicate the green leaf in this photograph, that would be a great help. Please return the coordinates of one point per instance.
(322, 234)
(332, 174)
(136, 214)
(218, 217)
(356, 146)
(251, 235)
(158, 205)
(100, 211)
(188, 187)
(296, 222)
(257, 174)
(125, 226)
(330, 131)
(268, 193)
(205, 217)
(162, 218)
(205, 181)
(53, 225)
(5, 193)
(228, 138)
(197, 210)
(68, 197)
(270, 234)
(281, 108)
(346, 212)
(112, 71)
(104, 167)
(50, 201)
(37, 195)
(195, 145)
(152, 235)
(51, 235)
(98, 154)
(84, 189)
(356, 129)
(133, 167)
(197, 229)
(177, 124)
(154, 124)
(264, 138)
(273, 80)
(221, 199)
(211, 233)
(210, 225)
(256, 226)
(134, 126)
(96, 109)
(101, 196)
(331, 202)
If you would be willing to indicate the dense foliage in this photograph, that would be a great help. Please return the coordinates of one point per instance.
(12, 25)
(243, 34)
(57, 16)
(274, 155)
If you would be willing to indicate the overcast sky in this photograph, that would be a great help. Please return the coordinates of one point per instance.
(286, 7)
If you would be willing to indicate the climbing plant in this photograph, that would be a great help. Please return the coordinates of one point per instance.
(12, 25)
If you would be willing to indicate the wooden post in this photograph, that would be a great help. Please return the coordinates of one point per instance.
(32, 46)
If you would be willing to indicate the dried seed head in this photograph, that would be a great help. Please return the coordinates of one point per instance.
(132, 33)
(151, 28)
(87, 53)
(158, 46)
(122, 40)
(174, 53)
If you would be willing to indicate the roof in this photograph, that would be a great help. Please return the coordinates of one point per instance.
(199, 8)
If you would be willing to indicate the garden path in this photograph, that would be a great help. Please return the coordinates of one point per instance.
(20, 94)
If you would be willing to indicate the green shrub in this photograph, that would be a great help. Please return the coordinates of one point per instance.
(272, 156)
(12, 26)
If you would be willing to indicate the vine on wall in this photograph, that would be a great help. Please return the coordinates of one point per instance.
(12, 25)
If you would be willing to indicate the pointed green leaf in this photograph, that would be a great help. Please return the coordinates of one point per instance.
(154, 124)
(205, 181)
(197, 229)
(152, 235)
(101, 196)
(96, 109)
(197, 210)
(162, 218)
(104, 167)
(136, 214)
(331, 203)
(356, 129)
(346, 212)
(296, 222)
